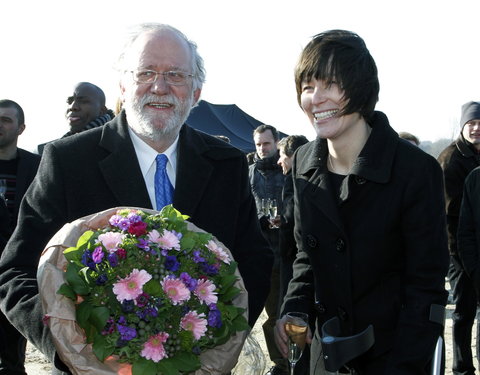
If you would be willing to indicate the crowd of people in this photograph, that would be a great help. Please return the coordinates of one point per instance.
(359, 224)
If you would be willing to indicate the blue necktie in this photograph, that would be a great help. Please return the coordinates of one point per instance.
(163, 186)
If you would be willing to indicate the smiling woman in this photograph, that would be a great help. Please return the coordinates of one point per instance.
(342, 183)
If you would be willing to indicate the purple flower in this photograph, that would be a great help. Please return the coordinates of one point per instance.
(196, 350)
(102, 279)
(214, 318)
(141, 314)
(142, 300)
(143, 244)
(151, 311)
(113, 259)
(171, 263)
(98, 255)
(209, 269)
(109, 327)
(126, 333)
(134, 218)
(119, 222)
(197, 258)
(87, 259)
(189, 281)
(127, 306)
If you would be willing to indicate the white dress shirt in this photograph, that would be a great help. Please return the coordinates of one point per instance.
(147, 159)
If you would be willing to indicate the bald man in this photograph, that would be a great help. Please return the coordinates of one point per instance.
(86, 109)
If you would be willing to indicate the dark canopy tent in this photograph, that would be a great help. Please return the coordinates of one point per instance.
(228, 120)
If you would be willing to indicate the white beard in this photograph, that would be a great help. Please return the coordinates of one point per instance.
(155, 126)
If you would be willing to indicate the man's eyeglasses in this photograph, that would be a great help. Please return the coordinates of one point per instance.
(173, 77)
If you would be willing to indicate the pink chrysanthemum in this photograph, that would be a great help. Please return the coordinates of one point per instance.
(153, 349)
(131, 286)
(176, 290)
(111, 240)
(169, 240)
(194, 322)
(205, 292)
(218, 251)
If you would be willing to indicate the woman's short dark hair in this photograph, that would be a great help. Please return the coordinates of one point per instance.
(341, 56)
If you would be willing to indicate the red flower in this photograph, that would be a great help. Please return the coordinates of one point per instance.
(138, 229)
(121, 253)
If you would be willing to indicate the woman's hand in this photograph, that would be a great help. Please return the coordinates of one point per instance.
(281, 337)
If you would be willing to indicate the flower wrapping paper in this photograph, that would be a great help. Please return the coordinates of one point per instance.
(69, 338)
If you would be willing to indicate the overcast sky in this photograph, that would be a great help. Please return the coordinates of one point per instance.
(427, 54)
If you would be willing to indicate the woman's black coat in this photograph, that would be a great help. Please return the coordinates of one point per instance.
(378, 254)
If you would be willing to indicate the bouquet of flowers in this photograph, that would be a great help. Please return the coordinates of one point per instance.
(151, 294)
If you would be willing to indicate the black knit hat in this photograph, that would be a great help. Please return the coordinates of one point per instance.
(470, 111)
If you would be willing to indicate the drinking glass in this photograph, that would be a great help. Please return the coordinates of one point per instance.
(266, 206)
(3, 188)
(296, 327)
(272, 211)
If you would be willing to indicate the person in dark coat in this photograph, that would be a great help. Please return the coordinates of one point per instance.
(369, 217)
(457, 161)
(468, 234)
(288, 248)
(266, 181)
(114, 165)
(17, 168)
(85, 110)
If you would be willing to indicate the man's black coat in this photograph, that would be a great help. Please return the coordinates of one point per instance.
(97, 170)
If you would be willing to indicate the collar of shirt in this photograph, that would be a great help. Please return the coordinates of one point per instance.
(146, 159)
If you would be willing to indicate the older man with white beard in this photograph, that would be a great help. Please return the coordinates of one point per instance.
(161, 80)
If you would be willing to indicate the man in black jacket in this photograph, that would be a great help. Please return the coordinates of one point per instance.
(267, 180)
(85, 110)
(113, 165)
(457, 161)
(18, 168)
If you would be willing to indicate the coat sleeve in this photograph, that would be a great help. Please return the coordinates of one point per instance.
(300, 292)
(39, 219)
(467, 245)
(426, 262)
(253, 253)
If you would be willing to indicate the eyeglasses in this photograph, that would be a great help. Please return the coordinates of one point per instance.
(173, 77)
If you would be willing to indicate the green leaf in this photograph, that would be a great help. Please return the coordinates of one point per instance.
(98, 317)
(240, 323)
(143, 366)
(227, 281)
(73, 278)
(101, 347)
(153, 288)
(75, 253)
(67, 291)
(84, 310)
(230, 293)
(188, 241)
(165, 367)
(187, 362)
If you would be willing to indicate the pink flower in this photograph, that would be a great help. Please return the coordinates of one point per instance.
(111, 240)
(176, 290)
(153, 349)
(131, 286)
(218, 251)
(205, 292)
(169, 240)
(194, 322)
